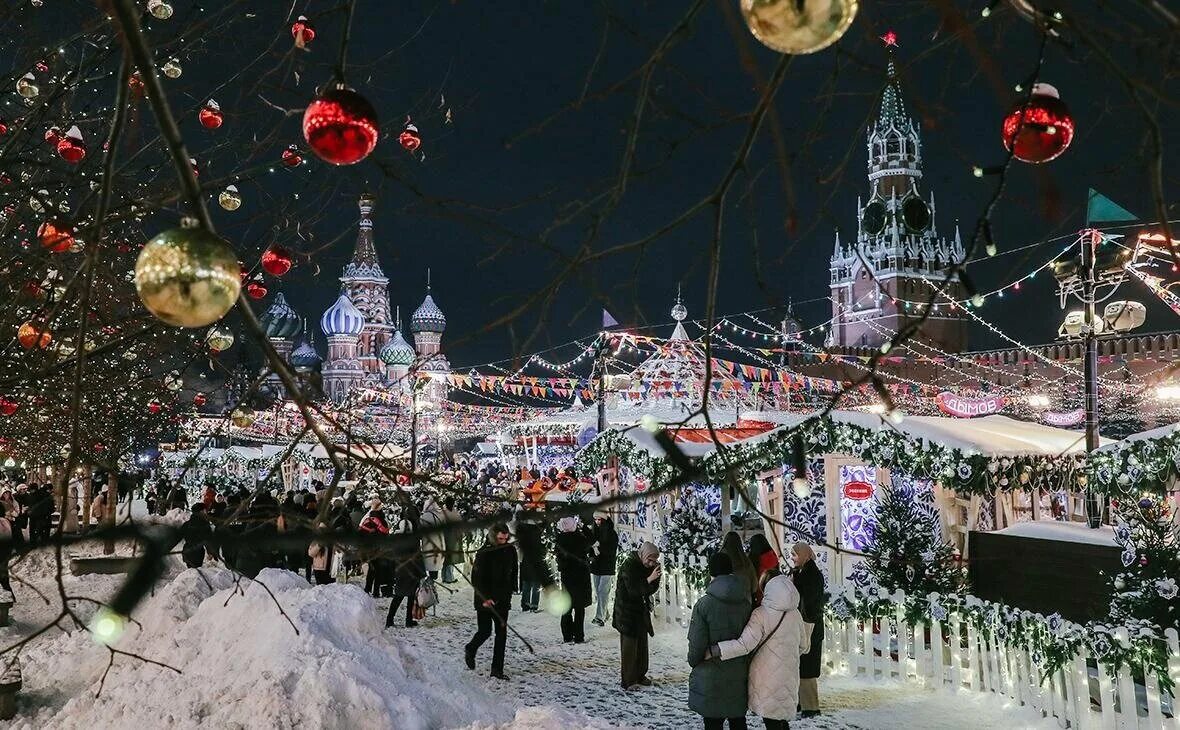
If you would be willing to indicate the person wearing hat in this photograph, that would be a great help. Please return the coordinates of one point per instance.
(638, 580)
(809, 581)
(572, 548)
(717, 690)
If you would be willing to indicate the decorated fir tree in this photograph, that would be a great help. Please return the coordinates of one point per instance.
(1149, 589)
(907, 553)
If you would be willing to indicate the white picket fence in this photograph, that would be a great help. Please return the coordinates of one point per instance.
(956, 656)
(673, 604)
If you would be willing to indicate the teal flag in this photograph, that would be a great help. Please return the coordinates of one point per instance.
(1101, 209)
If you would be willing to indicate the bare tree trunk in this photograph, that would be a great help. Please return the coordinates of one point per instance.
(87, 501)
(112, 507)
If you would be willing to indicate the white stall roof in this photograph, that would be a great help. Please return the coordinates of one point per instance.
(1155, 433)
(991, 435)
(618, 416)
(1062, 532)
(363, 451)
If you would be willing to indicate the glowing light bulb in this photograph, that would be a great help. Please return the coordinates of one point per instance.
(107, 626)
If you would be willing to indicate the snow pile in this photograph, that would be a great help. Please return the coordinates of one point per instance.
(243, 665)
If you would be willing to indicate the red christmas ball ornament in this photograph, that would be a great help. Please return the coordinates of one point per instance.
(210, 115)
(71, 148)
(292, 157)
(341, 126)
(52, 135)
(302, 31)
(33, 289)
(135, 83)
(199, 400)
(256, 289)
(1040, 130)
(409, 138)
(277, 260)
(55, 237)
(154, 407)
(7, 407)
(3, 128)
(31, 336)
(41, 66)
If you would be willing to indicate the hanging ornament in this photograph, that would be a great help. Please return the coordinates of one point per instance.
(52, 136)
(341, 126)
(210, 115)
(154, 407)
(173, 381)
(302, 31)
(71, 148)
(199, 400)
(7, 407)
(277, 260)
(409, 139)
(256, 288)
(230, 198)
(171, 68)
(219, 339)
(192, 161)
(33, 336)
(798, 26)
(135, 83)
(187, 276)
(242, 417)
(1040, 131)
(292, 156)
(55, 237)
(159, 9)
(26, 86)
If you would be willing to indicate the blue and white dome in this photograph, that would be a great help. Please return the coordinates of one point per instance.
(428, 317)
(397, 351)
(280, 321)
(305, 356)
(342, 318)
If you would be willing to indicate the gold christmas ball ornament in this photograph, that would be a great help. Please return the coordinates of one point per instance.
(798, 26)
(187, 276)
(26, 86)
(230, 198)
(172, 68)
(242, 417)
(219, 339)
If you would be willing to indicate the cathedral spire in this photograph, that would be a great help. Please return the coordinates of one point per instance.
(364, 263)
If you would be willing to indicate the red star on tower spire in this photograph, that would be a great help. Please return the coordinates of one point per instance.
(890, 39)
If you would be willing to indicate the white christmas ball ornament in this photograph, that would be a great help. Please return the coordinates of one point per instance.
(556, 601)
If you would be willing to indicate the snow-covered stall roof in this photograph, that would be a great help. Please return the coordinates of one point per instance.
(1062, 532)
(1148, 460)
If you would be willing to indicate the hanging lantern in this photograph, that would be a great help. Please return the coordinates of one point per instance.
(7, 407)
(341, 126)
(171, 68)
(210, 115)
(798, 26)
(302, 31)
(160, 9)
(409, 138)
(277, 260)
(187, 276)
(230, 198)
(292, 156)
(33, 336)
(26, 86)
(154, 407)
(1040, 131)
(256, 288)
(71, 148)
(55, 237)
(199, 400)
(242, 417)
(219, 339)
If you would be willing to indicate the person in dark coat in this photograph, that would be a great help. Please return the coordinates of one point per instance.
(197, 533)
(572, 548)
(731, 545)
(409, 570)
(493, 578)
(809, 581)
(380, 573)
(638, 580)
(717, 690)
(533, 573)
(606, 554)
(763, 558)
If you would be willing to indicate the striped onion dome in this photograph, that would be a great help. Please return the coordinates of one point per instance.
(305, 356)
(280, 321)
(428, 317)
(342, 318)
(397, 351)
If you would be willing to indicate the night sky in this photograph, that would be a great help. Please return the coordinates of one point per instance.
(535, 135)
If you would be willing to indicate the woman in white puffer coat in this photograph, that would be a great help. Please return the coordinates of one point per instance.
(776, 637)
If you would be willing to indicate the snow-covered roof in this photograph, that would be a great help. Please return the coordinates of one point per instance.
(667, 414)
(1155, 433)
(1062, 532)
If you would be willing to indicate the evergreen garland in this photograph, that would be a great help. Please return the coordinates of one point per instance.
(691, 533)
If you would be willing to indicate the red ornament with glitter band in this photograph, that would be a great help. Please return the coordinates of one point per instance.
(154, 407)
(409, 138)
(210, 115)
(341, 126)
(302, 31)
(71, 148)
(256, 288)
(292, 157)
(277, 260)
(199, 400)
(1041, 130)
(54, 237)
(33, 336)
(7, 407)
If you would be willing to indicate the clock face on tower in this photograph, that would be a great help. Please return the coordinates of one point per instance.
(916, 214)
(873, 219)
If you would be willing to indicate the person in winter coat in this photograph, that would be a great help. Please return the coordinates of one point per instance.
(451, 542)
(731, 545)
(717, 690)
(638, 580)
(209, 498)
(532, 572)
(606, 553)
(5, 547)
(572, 548)
(493, 578)
(434, 548)
(774, 636)
(197, 533)
(809, 581)
(377, 575)
(409, 570)
(763, 558)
